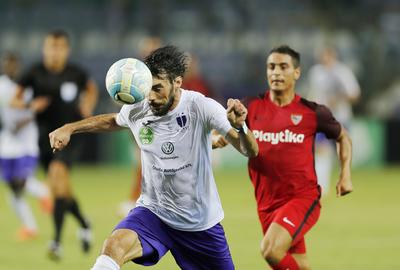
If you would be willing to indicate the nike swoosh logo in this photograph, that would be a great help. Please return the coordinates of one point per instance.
(286, 220)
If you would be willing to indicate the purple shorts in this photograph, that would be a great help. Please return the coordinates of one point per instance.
(17, 168)
(192, 250)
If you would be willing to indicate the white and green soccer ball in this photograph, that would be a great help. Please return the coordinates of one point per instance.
(128, 81)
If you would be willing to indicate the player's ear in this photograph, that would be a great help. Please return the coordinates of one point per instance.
(178, 82)
(297, 73)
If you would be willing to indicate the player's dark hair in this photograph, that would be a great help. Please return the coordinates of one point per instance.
(59, 33)
(10, 56)
(285, 49)
(168, 60)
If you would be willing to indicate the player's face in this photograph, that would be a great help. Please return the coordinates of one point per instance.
(55, 51)
(281, 73)
(162, 94)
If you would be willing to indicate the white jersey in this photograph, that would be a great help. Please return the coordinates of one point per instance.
(15, 141)
(334, 87)
(177, 180)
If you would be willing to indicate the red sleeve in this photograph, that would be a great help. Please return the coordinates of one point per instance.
(326, 123)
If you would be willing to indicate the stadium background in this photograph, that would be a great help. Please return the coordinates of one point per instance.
(231, 40)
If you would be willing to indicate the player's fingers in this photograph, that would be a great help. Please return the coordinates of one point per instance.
(229, 102)
(51, 137)
(230, 108)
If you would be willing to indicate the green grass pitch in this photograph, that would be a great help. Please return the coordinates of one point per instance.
(358, 232)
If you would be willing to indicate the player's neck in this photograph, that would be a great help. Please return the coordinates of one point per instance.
(282, 98)
(54, 67)
(177, 98)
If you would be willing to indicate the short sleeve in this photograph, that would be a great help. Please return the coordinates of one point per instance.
(215, 116)
(326, 123)
(123, 116)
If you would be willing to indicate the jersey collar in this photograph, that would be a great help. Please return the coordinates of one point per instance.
(268, 99)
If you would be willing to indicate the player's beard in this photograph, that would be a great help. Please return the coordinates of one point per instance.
(163, 109)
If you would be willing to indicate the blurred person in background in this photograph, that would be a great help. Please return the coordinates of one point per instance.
(333, 84)
(71, 96)
(194, 79)
(283, 174)
(19, 150)
(179, 209)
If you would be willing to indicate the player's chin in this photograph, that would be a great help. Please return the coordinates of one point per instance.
(277, 89)
(158, 110)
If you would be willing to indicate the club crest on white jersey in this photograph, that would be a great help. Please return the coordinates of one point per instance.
(286, 136)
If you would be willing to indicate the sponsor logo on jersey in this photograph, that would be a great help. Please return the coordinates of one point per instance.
(167, 148)
(296, 118)
(171, 171)
(146, 135)
(286, 136)
(181, 119)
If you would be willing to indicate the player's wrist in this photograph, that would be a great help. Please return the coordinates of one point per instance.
(243, 129)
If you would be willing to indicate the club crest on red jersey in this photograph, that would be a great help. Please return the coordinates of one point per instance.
(296, 118)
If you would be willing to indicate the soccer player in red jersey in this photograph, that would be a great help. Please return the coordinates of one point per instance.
(283, 173)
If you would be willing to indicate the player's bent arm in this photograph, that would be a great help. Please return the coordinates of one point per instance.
(244, 142)
(97, 123)
(344, 143)
(60, 137)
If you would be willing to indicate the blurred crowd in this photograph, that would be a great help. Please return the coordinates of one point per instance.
(228, 37)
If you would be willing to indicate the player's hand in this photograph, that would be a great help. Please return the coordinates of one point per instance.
(60, 138)
(236, 113)
(217, 140)
(39, 104)
(344, 186)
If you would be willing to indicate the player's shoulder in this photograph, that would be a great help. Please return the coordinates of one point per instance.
(191, 95)
(253, 100)
(74, 67)
(135, 111)
(193, 98)
(35, 67)
(6, 81)
(4, 78)
(313, 106)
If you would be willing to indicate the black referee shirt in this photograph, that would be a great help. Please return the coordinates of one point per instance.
(63, 88)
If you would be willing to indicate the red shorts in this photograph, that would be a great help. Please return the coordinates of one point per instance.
(297, 216)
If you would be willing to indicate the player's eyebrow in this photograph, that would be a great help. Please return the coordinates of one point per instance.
(281, 63)
(156, 86)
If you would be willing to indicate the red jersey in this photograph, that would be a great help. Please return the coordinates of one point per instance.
(284, 168)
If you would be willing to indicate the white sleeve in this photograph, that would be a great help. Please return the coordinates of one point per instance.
(215, 115)
(123, 116)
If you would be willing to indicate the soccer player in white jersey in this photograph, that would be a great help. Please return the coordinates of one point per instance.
(19, 150)
(179, 209)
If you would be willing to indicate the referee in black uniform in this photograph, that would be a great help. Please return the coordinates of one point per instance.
(72, 95)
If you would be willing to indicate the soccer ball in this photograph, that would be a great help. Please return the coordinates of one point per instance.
(128, 81)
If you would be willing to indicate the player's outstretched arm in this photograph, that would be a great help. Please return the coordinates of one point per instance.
(344, 185)
(60, 137)
(241, 138)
